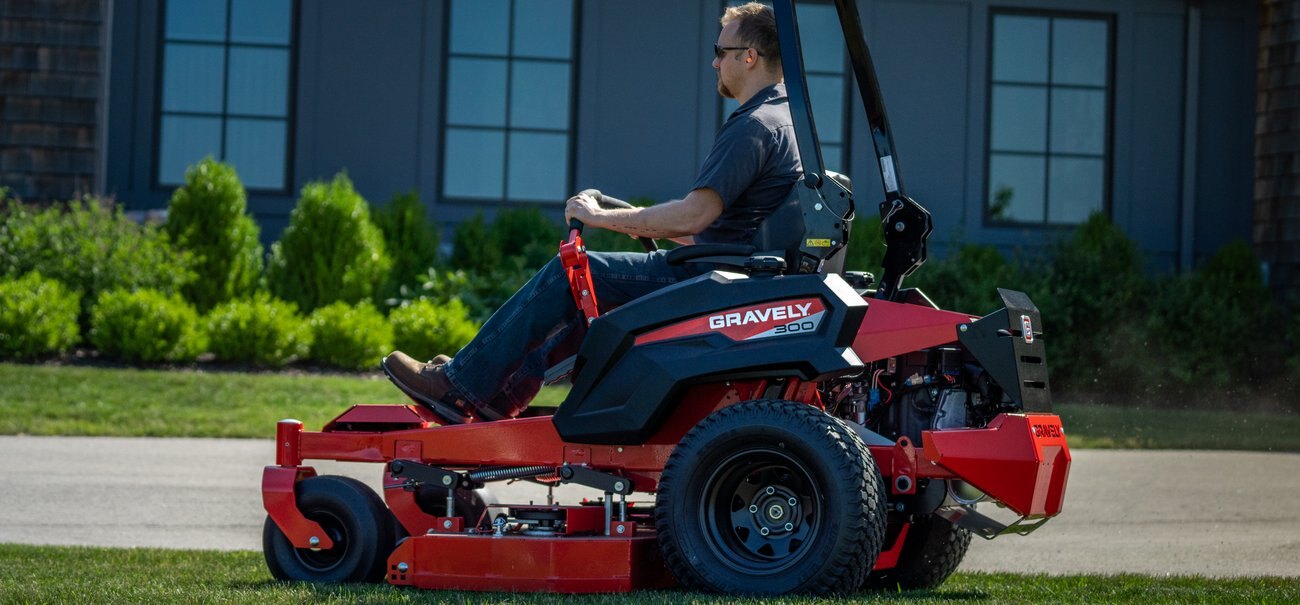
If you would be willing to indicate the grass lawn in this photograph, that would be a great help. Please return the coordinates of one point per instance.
(39, 574)
(75, 400)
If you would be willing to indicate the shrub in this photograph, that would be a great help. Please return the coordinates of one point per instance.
(38, 317)
(1203, 322)
(91, 247)
(330, 250)
(423, 329)
(409, 238)
(146, 326)
(473, 248)
(866, 250)
(206, 217)
(967, 280)
(526, 234)
(350, 337)
(482, 293)
(260, 330)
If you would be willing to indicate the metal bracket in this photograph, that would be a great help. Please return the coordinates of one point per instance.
(431, 475)
(605, 482)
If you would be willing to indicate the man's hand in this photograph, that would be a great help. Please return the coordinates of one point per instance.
(584, 208)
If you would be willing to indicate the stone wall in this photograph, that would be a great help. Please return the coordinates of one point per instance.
(50, 84)
(1277, 145)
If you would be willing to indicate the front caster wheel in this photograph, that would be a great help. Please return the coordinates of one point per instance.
(355, 519)
(770, 497)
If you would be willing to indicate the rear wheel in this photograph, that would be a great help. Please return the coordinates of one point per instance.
(770, 497)
(355, 519)
(931, 552)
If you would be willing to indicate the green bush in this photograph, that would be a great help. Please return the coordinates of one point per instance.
(330, 250)
(350, 337)
(38, 317)
(410, 239)
(866, 250)
(967, 280)
(1094, 296)
(424, 329)
(482, 293)
(1209, 323)
(146, 326)
(206, 217)
(91, 247)
(473, 248)
(259, 330)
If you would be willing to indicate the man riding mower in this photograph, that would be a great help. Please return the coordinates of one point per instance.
(767, 423)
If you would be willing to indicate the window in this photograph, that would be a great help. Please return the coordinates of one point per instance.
(508, 107)
(226, 77)
(1049, 118)
(825, 61)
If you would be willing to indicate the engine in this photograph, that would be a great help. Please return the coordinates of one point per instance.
(939, 388)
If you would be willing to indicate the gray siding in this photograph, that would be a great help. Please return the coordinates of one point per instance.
(369, 100)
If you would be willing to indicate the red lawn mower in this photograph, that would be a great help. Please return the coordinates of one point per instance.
(777, 425)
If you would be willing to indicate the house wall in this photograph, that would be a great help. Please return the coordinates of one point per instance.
(369, 99)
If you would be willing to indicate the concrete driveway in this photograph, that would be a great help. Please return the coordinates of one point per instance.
(1149, 512)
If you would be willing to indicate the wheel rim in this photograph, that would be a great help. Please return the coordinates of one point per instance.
(761, 510)
(322, 560)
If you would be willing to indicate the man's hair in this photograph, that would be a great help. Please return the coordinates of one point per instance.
(757, 30)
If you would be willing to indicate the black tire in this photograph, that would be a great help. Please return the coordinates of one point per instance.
(355, 519)
(736, 473)
(931, 552)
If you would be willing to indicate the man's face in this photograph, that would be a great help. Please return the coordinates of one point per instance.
(729, 65)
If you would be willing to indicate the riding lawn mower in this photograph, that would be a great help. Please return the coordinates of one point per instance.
(774, 425)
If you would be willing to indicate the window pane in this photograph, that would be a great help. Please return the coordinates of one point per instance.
(1016, 187)
(259, 82)
(539, 166)
(480, 26)
(473, 163)
(827, 95)
(1078, 121)
(184, 141)
(261, 21)
(192, 77)
(1019, 118)
(539, 95)
(1076, 189)
(1079, 51)
(543, 28)
(256, 148)
(476, 92)
(196, 20)
(1020, 49)
(821, 38)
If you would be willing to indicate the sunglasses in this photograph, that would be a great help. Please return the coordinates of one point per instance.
(719, 51)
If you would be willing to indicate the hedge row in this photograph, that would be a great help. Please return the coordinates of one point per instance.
(38, 318)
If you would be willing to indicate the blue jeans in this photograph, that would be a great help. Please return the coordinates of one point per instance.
(540, 326)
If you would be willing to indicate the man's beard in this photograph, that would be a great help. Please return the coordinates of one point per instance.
(724, 91)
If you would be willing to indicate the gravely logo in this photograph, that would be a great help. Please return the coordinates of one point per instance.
(778, 313)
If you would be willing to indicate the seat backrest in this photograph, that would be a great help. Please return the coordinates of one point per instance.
(783, 230)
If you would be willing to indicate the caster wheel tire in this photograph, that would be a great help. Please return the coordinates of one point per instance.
(770, 497)
(356, 520)
(931, 552)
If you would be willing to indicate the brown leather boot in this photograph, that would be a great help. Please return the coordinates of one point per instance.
(427, 385)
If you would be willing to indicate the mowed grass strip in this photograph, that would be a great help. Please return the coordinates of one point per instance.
(77, 400)
(123, 402)
(44, 574)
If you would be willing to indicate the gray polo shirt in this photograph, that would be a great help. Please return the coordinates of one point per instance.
(753, 166)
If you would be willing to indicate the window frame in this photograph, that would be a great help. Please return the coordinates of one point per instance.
(291, 100)
(575, 71)
(1108, 148)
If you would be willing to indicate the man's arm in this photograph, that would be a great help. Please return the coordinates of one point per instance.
(669, 220)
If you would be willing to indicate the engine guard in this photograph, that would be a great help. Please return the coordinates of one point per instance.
(1019, 460)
